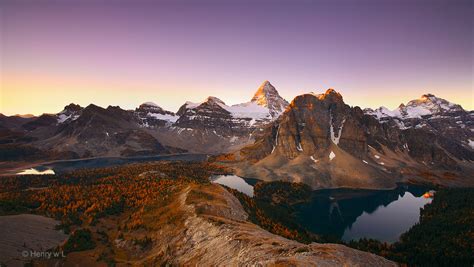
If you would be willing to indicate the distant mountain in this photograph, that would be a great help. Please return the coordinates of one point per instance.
(13, 122)
(426, 105)
(317, 139)
(70, 113)
(267, 96)
(321, 141)
(265, 106)
(96, 131)
(207, 127)
(433, 114)
(212, 126)
(152, 115)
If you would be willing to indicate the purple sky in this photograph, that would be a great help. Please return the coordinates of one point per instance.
(127, 52)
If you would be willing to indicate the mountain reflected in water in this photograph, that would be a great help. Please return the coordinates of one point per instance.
(352, 214)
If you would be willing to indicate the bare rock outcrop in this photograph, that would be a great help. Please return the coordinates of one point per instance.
(214, 231)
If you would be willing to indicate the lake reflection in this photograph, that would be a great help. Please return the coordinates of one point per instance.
(34, 171)
(75, 164)
(234, 182)
(353, 214)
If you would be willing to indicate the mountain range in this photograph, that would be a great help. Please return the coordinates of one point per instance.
(80, 132)
(323, 142)
(316, 139)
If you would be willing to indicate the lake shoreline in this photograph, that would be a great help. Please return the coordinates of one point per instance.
(13, 168)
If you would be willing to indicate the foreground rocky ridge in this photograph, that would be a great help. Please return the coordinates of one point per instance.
(243, 243)
(210, 228)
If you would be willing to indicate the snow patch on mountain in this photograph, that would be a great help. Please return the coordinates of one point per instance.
(335, 139)
(63, 117)
(192, 105)
(276, 139)
(70, 113)
(298, 147)
(164, 117)
(248, 110)
(265, 106)
(383, 112)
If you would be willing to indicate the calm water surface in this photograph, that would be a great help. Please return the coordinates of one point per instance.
(234, 182)
(386, 223)
(37, 171)
(351, 214)
(71, 165)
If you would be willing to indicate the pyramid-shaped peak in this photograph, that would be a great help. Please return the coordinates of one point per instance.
(266, 88)
(265, 92)
(267, 96)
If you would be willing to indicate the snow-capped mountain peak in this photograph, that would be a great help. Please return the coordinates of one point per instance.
(265, 106)
(263, 93)
(267, 96)
(382, 112)
(70, 112)
(431, 113)
(150, 114)
(151, 106)
(427, 104)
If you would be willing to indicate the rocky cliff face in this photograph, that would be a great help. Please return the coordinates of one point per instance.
(211, 115)
(315, 123)
(448, 127)
(323, 142)
(316, 135)
(95, 131)
(214, 127)
(151, 115)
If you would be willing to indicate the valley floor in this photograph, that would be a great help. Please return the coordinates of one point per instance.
(161, 213)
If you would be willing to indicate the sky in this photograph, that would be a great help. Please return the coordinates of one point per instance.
(375, 53)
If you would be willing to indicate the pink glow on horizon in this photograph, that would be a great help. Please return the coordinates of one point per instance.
(375, 54)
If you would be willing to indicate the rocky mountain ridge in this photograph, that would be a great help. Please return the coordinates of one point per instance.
(207, 127)
(317, 139)
(321, 141)
(433, 114)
